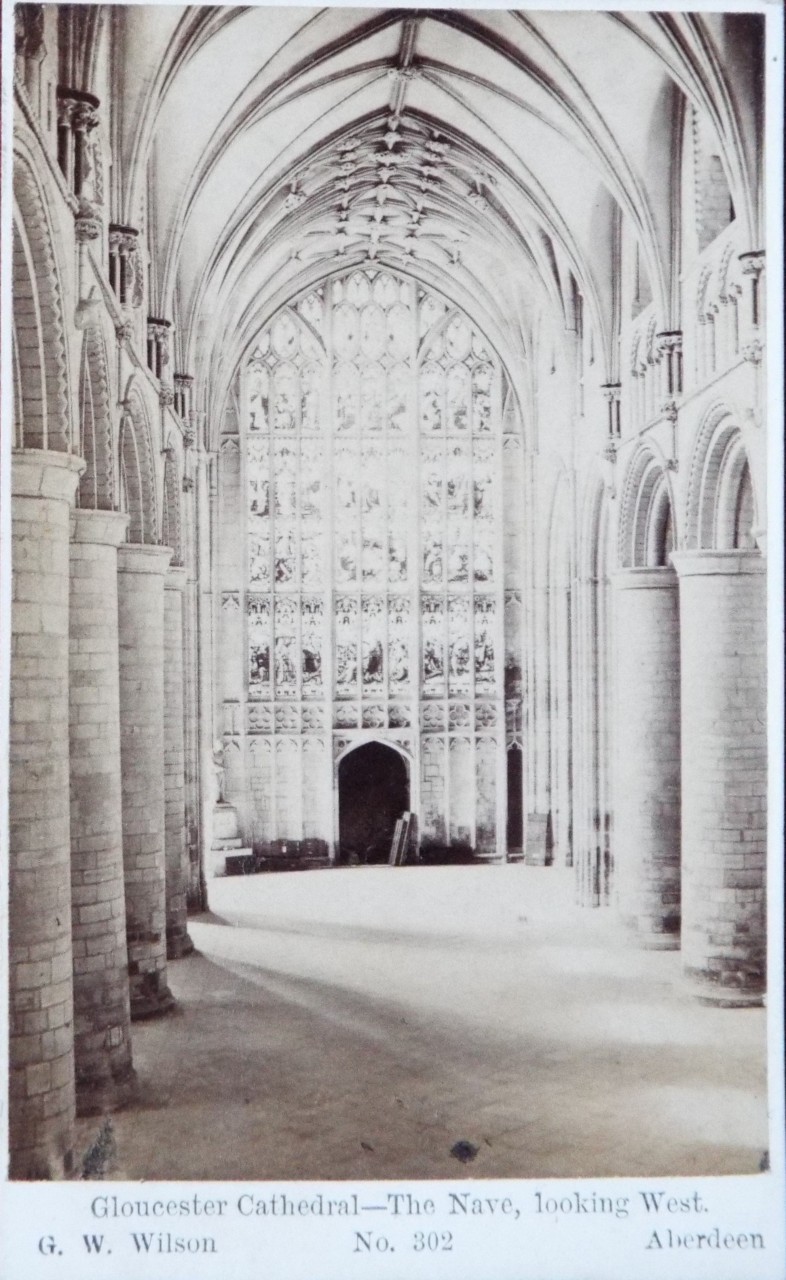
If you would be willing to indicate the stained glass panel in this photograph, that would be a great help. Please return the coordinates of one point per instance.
(433, 630)
(407, 487)
(259, 635)
(372, 332)
(372, 632)
(484, 641)
(432, 394)
(310, 398)
(312, 627)
(459, 653)
(372, 399)
(258, 398)
(345, 391)
(286, 398)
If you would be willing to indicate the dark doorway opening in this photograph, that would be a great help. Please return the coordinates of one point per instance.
(373, 791)
(515, 831)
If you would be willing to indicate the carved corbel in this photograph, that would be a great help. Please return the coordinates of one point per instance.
(87, 222)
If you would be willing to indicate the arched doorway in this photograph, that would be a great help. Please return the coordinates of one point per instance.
(373, 791)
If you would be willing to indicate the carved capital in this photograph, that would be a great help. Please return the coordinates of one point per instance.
(753, 352)
(752, 262)
(84, 117)
(184, 380)
(87, 223)
(189, 436)
(65, 112)
(124, 331)
(669, 340)
(77, 109)
(158, 331)
(188, 484)
(166, 397)
(123, 240)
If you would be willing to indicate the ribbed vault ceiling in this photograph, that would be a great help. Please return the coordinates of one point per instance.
(482, 152)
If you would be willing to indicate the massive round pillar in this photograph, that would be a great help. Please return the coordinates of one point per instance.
(41, 1047)
(724, 773)
(141, 572)
(102, 1035)
(177, 861)
(647, 684)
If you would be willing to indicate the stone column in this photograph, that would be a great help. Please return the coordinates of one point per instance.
(178, 942)
(724, 773)
(41, 1044)
(141, 571)
(647, 818)
(102, 1032)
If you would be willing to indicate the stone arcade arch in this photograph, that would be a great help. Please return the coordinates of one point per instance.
(647, 720)
(723, 660)
(142, 570)
(44, 479)
(97, 485)
(137, 472)
(40, 361)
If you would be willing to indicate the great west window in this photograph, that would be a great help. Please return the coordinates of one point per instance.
(371, 421)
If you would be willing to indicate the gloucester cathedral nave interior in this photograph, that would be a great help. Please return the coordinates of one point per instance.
(388, 439)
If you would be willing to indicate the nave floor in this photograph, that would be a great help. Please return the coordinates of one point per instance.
(357, 1023)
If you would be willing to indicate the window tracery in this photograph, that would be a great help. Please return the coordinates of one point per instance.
(374, 507)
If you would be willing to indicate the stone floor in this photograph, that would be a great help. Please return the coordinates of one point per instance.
(359, 1023)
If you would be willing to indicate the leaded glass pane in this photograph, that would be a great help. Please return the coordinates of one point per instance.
(259, 634)
(286, 400)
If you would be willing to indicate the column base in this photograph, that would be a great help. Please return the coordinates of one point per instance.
(151, 1000)
(536, 845)
(710, 993)
(42, 1166)
(178, 945)
(659, 941)
(649, 939)
(96, 1097)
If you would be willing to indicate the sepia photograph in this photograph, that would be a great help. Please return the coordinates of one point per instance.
(386, 485)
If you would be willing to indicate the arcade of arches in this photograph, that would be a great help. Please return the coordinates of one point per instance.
(388, 435)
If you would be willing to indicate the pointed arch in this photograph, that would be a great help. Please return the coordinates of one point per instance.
(171, 522)
(137, 471)
(39, 333)
(97, 485)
